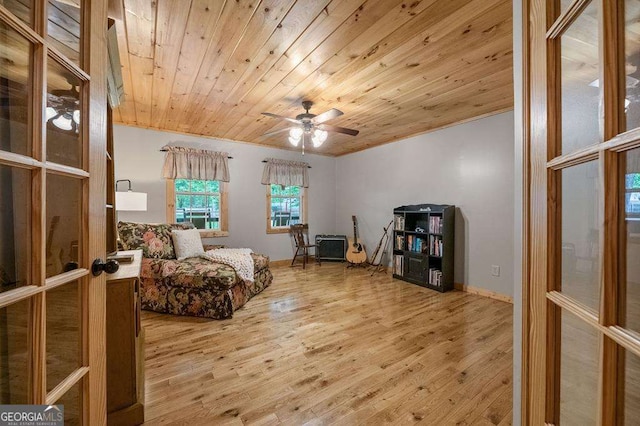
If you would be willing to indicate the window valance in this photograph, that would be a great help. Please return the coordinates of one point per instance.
(191, 163)
(285, 173)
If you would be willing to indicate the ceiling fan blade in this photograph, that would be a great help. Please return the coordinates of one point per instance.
(275, 132)
(281, 117)
(337, 129)
(327, 115)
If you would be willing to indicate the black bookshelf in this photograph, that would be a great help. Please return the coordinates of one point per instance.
(423, 238)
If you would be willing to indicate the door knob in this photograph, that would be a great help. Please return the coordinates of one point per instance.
(100, 265)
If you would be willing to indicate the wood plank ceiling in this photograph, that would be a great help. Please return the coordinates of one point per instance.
(396, 68)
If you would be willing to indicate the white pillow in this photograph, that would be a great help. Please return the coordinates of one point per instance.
(187, 243)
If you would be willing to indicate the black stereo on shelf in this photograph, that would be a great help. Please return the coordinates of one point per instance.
(331, 247)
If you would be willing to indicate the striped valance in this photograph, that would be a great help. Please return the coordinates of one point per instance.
(198, 164)
(285, 173)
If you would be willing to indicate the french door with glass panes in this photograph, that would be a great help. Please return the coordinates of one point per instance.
(582, 314)
(52, 174)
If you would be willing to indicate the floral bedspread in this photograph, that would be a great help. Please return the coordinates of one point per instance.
(196, 286)
(199, 287)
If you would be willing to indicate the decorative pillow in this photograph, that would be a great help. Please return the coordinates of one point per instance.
(187, 243)
(154, 240)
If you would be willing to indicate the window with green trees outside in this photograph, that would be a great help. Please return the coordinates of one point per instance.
(285, 206)
(198, 201)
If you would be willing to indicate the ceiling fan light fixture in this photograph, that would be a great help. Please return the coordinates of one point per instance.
(50, 113)
(294, 141)
(296, 133)
(309, 128)
(63, 122)
(318, 138)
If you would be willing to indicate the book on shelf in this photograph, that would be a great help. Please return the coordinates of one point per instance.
(435, 245)
(435, 225)
(435, 277)
(412, 243)
(398, 223)
(398, 264)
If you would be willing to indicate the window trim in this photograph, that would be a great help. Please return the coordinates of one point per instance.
(285, 230)
(204, 233)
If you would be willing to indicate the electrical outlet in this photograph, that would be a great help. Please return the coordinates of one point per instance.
(495, 270)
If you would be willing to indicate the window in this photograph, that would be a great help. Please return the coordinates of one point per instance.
(632, 196)
(285, 207)
(201, 202)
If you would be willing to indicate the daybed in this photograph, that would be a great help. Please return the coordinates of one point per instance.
(194, 286)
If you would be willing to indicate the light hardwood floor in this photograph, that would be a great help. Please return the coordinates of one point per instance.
(331, 345)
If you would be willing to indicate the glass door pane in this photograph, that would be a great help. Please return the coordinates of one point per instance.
(64, 141)
(72, 402)
(631, 389)
(63, 332)
(22, 9)
(580, 82)
(632, 63)
(580, 233)
(564, 5)
(15, 228)
(14, 354)
(64, 214)
(15, 82)
(63, 27)
(630, 298)
(578, 372)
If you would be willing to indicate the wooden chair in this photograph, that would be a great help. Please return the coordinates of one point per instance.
(281, 219)
(300, 236)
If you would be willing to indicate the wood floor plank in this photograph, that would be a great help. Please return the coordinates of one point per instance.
(500, 410)
(327, 345)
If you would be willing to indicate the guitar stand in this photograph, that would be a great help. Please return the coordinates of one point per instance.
(357, 265)
(378, 268)
(382, 245)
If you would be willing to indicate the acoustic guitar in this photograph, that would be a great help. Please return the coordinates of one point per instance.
(355, 252)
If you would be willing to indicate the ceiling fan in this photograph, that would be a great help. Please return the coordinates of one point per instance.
(311, 126)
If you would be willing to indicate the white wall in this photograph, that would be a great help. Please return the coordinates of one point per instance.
(138, 158)
(470, 165)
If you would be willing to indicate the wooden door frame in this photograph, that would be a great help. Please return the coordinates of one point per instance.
(538, 363)
(525, 213)
(92, 374)
(96, 62)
